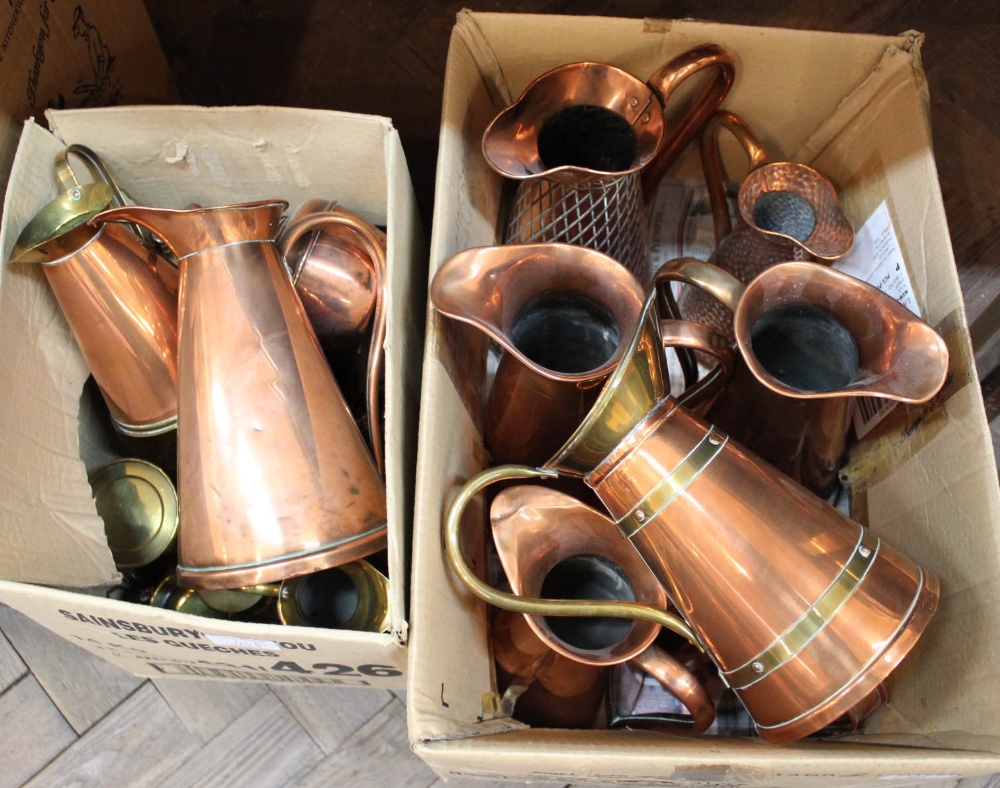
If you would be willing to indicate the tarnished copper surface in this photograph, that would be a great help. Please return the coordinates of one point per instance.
(803, 430)
(802, 609)
(588, 144)
(275, 479)
(340, 279)
(562, 316)
(124, 320)
(551, 544)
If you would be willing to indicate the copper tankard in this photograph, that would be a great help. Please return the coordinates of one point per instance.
(587, 144)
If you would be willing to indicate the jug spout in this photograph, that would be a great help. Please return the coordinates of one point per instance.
(193, 230)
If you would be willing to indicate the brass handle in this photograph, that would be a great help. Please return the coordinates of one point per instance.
(665, 81)
(711, 163)
(530, 605)
(348, 224)
(681, 683)
(697, 336)
(710, 278)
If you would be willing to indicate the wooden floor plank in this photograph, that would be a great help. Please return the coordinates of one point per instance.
(331, 714)
(263, 747)
(27, 748)
(207, 707)
(12, 667)
(377, 754)
(84, 687)
(140, 744)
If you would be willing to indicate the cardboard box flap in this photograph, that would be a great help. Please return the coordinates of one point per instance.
(227, 155)
(49, 526)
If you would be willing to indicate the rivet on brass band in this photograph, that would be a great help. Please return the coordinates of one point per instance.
(797, 636)
(674, 483)
(903, 623)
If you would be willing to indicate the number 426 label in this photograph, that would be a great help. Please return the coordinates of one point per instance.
(332, 669)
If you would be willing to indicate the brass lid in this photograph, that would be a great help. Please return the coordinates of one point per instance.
(138, 504)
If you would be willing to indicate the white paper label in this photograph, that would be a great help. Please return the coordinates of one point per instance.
(877, 258)
(227, 640)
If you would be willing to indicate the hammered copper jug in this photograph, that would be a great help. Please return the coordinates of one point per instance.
(788, 211)
(274, 477)
(811, 339)
(553, 546)
(588, 144)
(802, 609)
(561, 315)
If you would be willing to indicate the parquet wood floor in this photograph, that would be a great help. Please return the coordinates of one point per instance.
(67, 717)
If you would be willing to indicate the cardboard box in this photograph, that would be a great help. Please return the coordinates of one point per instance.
(91, 53)
(169, 157)
(855, 106)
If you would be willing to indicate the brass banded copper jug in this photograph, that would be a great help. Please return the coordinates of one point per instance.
(588, 144)
(803, 611)
(275, 479)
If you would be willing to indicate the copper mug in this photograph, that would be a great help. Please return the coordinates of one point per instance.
(275, 479)
(803, 611)
(588, 144)
(811, 339)
(787, 211)
(552, 546)
(340, 277)
(561, 315)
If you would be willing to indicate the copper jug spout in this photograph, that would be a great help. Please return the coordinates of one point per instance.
(274, 477)
(588, 144)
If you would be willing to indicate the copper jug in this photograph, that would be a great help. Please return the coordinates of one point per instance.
(812, 338)
(803, 611)
(587, 144)
(274, 477)
(551, 545)
(788, 211)
(561, 315)
(122, 316)
(340, 278)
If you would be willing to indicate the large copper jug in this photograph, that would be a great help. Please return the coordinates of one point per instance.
(587, 144)
(803, 611)
(275, 479)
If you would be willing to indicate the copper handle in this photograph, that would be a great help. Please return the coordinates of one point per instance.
(697, 336)
(665, 80)
(345, 223)
(710, 278)
(530, 605)
(681, 683)
(711, 163)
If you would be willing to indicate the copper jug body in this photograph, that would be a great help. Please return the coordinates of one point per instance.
(587, 144)
(274, 477)
(810, 339)
(561, 315)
